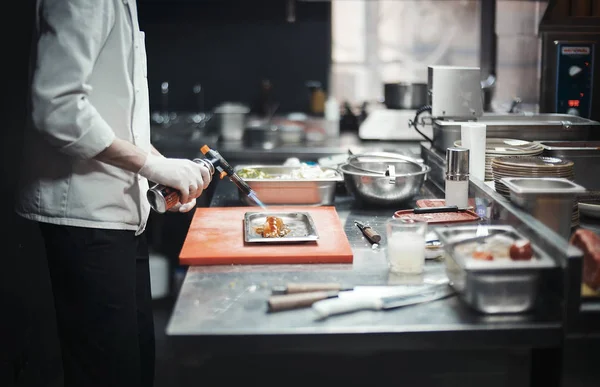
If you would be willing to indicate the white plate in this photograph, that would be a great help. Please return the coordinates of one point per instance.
(589, 209)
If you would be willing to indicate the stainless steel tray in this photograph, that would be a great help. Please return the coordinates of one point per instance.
(449, 235)
(529, 127)
(279, 190)
(500, 287)
(301, 225)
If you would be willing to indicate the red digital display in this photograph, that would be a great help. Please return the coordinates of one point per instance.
(573, 103)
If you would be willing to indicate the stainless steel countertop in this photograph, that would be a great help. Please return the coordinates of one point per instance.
(226, 305)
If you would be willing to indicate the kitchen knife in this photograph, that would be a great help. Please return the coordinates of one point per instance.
(372, 235)
(279, 303)
(348, 304)
(305, 287)
(292, 288)
(432, 210)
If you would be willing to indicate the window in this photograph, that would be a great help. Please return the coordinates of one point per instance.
(379, 41)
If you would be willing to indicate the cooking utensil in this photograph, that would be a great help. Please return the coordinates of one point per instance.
(438, 217)
(372, 235)
(307, 287)
(379, 189)
(356, 302)
(432, 210)
(231, 120)
(281, 301)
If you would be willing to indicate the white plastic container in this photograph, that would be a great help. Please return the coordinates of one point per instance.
(472, 136)
(332, 117)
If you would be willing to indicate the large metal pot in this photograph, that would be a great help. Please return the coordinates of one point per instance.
(230, 119)
(405, 95)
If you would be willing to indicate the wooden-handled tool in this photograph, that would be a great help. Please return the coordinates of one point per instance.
(433, 210)
(293, 288)
(372, 235)
(297, 300)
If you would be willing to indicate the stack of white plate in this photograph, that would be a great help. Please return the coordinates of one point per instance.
(498, 147)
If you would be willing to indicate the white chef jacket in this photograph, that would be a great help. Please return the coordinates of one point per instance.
(89, 85)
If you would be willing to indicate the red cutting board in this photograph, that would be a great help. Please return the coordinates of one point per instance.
(216, 237)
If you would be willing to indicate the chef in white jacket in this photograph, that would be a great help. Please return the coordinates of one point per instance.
(87, 163)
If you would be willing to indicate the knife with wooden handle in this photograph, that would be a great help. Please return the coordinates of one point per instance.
(306, 287)
(372, 235)
(299, 287)
(297, 300)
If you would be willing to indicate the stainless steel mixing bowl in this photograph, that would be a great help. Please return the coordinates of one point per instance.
(386, 182)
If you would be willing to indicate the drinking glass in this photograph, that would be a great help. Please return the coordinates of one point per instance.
(406, 245)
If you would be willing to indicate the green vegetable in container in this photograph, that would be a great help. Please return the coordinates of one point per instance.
(252, 173)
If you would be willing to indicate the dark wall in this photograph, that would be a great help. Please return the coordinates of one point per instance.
(229, 46)
(28, 343)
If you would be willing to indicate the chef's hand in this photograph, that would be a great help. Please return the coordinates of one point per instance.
(186, 176)
(183, 207)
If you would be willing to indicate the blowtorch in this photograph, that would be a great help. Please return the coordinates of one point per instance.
(162, 198)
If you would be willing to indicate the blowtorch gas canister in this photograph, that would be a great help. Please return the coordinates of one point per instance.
(162, 198)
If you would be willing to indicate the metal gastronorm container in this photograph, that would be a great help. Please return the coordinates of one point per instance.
(283, 191)
(493, 287)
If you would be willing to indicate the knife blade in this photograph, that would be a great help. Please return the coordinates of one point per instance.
(432, 210)
(372, 235)
(336, 306)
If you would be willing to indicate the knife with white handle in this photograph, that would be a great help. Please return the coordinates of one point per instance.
(335, 306)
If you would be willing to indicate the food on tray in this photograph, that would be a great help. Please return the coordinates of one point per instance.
(273, 228)
(482, 255)
(589, 242)
(302, 171)
(497, 247)
(521, 250)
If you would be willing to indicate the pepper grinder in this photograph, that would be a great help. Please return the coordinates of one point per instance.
(457, 177)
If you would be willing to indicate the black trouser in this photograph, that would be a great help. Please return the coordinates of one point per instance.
(101, 285)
